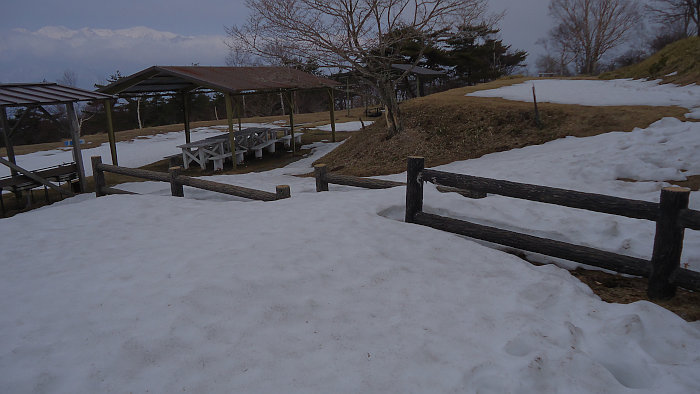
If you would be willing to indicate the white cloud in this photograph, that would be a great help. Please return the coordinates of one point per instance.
(95, 53)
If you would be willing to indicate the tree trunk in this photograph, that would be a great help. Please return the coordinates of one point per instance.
(391, 107)
(138, 112)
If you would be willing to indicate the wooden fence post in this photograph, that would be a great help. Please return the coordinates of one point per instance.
(98, 176)
(176, 188)
(414, 187)
(282, 191)
(320, 171)
(668, 243)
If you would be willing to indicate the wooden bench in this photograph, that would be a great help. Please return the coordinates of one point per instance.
(269, 145)
(219, 159)
(288, 138)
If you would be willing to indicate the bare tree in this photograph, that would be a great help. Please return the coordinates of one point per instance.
(83, 110)
(683, 12)
(587, 29)
(353, 35)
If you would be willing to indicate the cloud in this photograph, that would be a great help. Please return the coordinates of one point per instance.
(93, 54)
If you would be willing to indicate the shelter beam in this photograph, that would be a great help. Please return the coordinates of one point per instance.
(9, 148)
(186, 112)
(75, 136)
(110, 132)
(331, 98)
(290, 97)
(229, 116)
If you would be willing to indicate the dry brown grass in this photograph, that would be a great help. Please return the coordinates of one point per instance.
(624, 290)
(449, 126)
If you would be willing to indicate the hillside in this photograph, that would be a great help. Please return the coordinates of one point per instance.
(677, 63)
(450, 126)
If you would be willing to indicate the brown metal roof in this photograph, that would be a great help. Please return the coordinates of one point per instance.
(222, 79)
(21, 94)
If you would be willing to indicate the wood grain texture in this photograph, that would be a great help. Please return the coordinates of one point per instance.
(580, 254)
(635, 209)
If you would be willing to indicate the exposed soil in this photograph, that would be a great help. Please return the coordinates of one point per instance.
(624, 290)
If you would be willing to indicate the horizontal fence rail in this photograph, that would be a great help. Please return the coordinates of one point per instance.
(589, 201)
(323, 178)
(177, 182)
(671, 215)
(579, 254)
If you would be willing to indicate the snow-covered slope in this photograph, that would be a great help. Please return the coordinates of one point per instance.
(602, 93)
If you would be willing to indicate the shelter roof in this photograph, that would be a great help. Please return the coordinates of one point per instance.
(45, 93)
(416, 69)
(222, 79)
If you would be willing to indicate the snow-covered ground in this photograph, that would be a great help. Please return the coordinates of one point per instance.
(599, 93)
(332, 292)
(139, 152)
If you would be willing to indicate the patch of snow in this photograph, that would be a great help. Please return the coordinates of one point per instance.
(693, 114)
(599, 92)
(346, 126)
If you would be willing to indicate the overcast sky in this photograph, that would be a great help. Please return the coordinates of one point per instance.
(40, 39)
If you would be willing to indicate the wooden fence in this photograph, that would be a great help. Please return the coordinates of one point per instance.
(671, 215)
(177, 182)
(323, 178)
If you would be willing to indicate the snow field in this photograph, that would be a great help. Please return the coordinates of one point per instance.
(316, 293)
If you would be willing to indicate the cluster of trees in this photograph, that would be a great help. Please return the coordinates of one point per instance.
(365, 37)
(586, 30)
(471, 54)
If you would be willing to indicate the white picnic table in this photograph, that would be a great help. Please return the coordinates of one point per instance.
(218, 148)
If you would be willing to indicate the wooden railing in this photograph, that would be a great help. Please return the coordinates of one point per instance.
(177, 182)
(671, 215)
(323, 178)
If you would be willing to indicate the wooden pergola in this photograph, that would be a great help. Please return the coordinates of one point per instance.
(232, 82)
(38, 95)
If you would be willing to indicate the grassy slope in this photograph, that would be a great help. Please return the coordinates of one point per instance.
(681, 57)
(449, 126)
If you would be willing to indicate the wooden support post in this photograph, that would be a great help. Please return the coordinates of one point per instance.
(291, 120)
(186, 116)
(231, 135)
(282, 191)
(75, 136)
(332, 108)
(2, 205)
(9, 148)
(668, 243)
(110, 132)
(538, 120)
(239, 113)
(320, 171)
(414, 187)
(347, 94)
(176, 188)
(98, 176)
